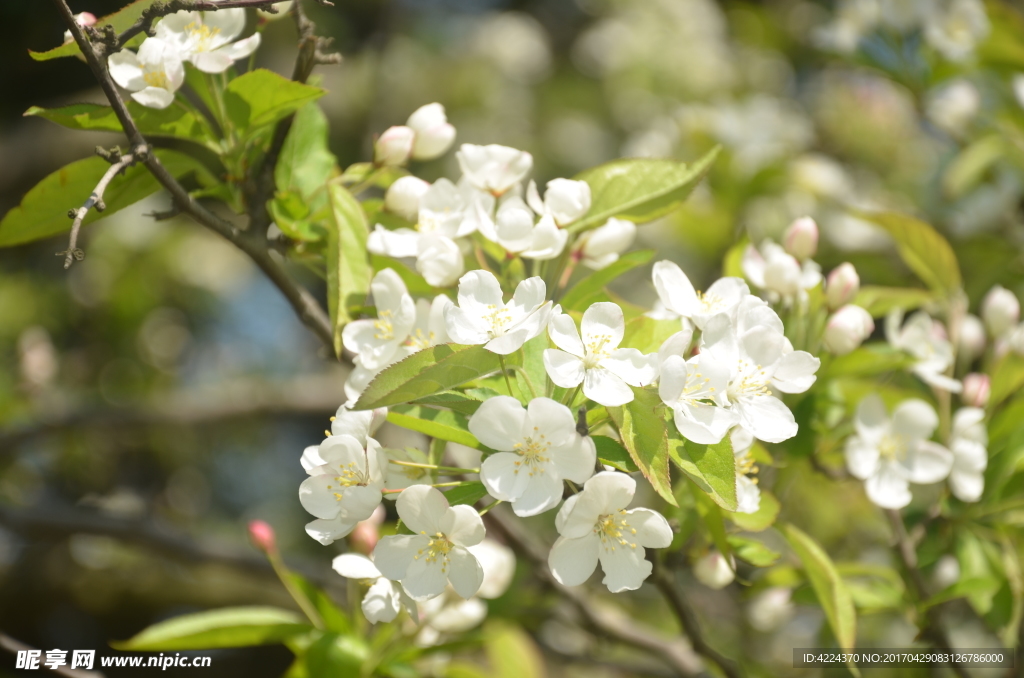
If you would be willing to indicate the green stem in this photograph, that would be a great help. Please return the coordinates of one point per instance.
(504, 373)
(526, 377)
(572, 397)
(435, 467)
(365, 183)
(298, 596)
(598, 424)
(487, 508)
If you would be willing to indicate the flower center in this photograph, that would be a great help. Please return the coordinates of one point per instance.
(385, 330)
(751, 382)
(892, 447)
(350, 476)
(708, 302)
(202, 36)
(596, 351)
(498, 317)
(613, 530)
(437, 549)
(745, 465)
(156, 78)
(419, 339)
(696, 387)
(532, 450)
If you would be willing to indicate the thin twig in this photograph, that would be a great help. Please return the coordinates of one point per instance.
(633, 634)
(932, 627)
(14, 646)
(305, 305)
(688, 621)
(95, 199)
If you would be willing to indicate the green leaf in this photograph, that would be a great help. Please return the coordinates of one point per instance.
(639, 189)
(306, 162)
(711, 467)
(511, 652)
(426, 373)
(467, 493)
(262, 97)
(586, 291)
(711, 514)
(414, 282)
(44, 209)
(922, 248)
(121, 20)
(828, 586)
(533, 367)
(647, 334)
(965, 588)
(452, 400)
(334, 619)
(641, 425)
(968, 168)
(761, 520)
(337, 655)
(610, 452)
(290, 211)
(443, 424)
(871, 359)
(173, 121)
(753, 551)
(1007, 379)
(348, 269)
(226, 627)
(878, 300)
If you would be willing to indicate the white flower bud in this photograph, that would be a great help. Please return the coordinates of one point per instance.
(603, 245)
(972, 337)
(977, 387)
(713, 571)
(847, 329)
(566, 200)
(394, 147)
(1014, 342)
(801, 238)
(953, 106)
(434, 135)
(1000, 310)
(83, 19)
(946, 572)
(770, 608)
(842, 285)
(403, 197)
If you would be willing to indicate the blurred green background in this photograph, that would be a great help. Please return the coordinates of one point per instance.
(157, 396)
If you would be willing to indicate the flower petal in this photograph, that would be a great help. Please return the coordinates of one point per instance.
(928, 462)
(767, 418)
(543, 491)
(562, 330)
(888, 488)
(125, 70)
(426, 577)
(630, 365)
(564, 369)
(576, 460)
(674, 288)
(154, 97)
(572, 561)
(327, 531)
(915, 419)
(394, 553)
(421, 509)
(498, 423)
(462, 525)
(549, 419)
(212, 62)
(795, 372)
(464, 571)
(625, 567)
(355, 566)
(225, 23)
(498, 474)
(602, 386)
(603, 322)
(381, 603)
(871, 420)
(649, 528)
(862, 457)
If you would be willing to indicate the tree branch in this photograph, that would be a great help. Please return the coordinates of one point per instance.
(305, 305)
(14, 646)
(675, 655)
(95, 199)
(932, 627)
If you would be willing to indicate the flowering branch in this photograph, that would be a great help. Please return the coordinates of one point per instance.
(932, 628)
(304, 304)
(95, 199)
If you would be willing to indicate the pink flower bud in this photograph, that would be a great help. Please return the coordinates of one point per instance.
(394, 146)
(801, 238)
(714, 571)
(976, 389)
(1000, 310)
(972, 338)
(434, 135)
(85, 19)
(262, 536)
(366, 533)
(847, 329)
(842, 285)
(403, 197)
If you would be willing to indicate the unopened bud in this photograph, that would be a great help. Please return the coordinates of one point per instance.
(262, 536)
(1000, 310)
(84, 19)
(434, 135)
(770, 608)
(971, 343)
(603, 245)
(394, 146)
(366, 533)
(842, 285)
(403, 197)
(847, 329)
(801, 238)
(977, 387)
(713, 571)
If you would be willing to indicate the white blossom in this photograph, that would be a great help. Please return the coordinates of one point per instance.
(596, 361)
(565, 200)
(403, 197)
(779, 273)
(676, 292)
(953, 105)
(889, 454)
(436, 554)
(968, 444)
(152, 76)
(956, 29)
(345, 489)
(375, 341)
(748, 494)
(434, 134)
(596, 527)
(483, 317)
(602, 246)
(538, 447)
(925, 340)
(385, 598)
(207, 39)
(514, 229)
(696, 390)
(493, 168)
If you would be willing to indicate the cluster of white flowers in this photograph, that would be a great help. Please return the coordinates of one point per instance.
(204, 39)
